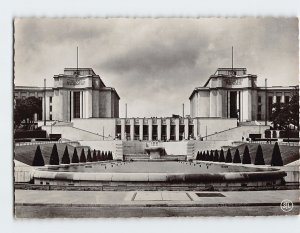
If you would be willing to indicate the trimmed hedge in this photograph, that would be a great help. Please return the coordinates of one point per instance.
(38, 159)
(54, 159)
(259, 158)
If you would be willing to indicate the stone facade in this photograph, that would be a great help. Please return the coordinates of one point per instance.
(232, 93)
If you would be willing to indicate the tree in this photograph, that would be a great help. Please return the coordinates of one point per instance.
(103, 156)
(110, 157)
(236, 157)
(246, 156)
(95, 156)
(25, 110)
(66, 158)
(198, 156)
(75, 158)
(276, 156)
(89, 156)
(38, 159)
(259, 158)
(99, 156)
(222, 158)
(201, 156)
(211, 156)
(54, 159)
(216, 157)
(82, 156)
(228, 156)
(285, 114)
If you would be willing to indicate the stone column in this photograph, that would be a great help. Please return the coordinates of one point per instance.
(123, 129)
(168, 123)
(159, 129)
(141, 128)
(150, 129)
(186, 128)
(195, 121)
(177, 129)
(131, 129)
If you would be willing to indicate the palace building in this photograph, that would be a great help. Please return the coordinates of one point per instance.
(229, 97)
(233, 93)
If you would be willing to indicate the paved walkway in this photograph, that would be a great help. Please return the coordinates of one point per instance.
(45, 204)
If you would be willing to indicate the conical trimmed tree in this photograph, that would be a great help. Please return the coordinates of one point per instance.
(99, 156)
(222, 158)
(75, 158)
(276, 156)
(110, 156)
(259, 158)
(246, 156)
(54, 159)
(82, 156)
(211, 155)
(89, 156)
(216, 157)
(228, 156)
(237, 157)
(201, 156)
(66, 158)
(38, 159)
(206, 156)
(95, 156)
(103, 156)
(198, 156)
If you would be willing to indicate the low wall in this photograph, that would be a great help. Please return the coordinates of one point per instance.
(23, 173)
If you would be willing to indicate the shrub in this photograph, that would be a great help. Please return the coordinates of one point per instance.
(276, 156)
(54, 159)
(228, 156)
(75, 158)
(110, 155)
(246, 156)
(236, 157)
(211, 156)
(201, 156)
(103, 156)
(38, 159)
(99, 156)
(216, 157)
(198, 156)
(82, 156)
(95, 156)
(259, 158)
(222, 158)
(89, 156)
(206, 156)
(66, 158)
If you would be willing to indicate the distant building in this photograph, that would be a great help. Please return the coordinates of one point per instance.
(77, 93)
(232, 93)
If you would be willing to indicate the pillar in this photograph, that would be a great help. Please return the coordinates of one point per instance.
(141, 128)
(123, 129)
(177, 129)
(150, 129)
(195, 121)
(186, 128)
(159, 129)
(168, 123)
(131, 129)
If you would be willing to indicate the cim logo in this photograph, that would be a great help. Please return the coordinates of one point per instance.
(286, 205)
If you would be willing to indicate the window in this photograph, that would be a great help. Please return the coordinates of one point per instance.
(286, 99)
(277, 99)
(259, 108)
(50, 117)
(50, 99)
(50, 108)
(259, 99)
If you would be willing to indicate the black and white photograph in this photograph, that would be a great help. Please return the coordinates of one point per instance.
(155, 117)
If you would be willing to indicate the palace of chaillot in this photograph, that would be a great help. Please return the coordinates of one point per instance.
(227, 143)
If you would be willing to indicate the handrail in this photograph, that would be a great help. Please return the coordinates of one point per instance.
(42, 143)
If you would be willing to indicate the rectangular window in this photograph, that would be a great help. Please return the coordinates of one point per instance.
(50, 108)
(259, 99)
(50, 99)
(259, 108)
(76, 104)
(278, 99)
(50, 117)
(286, 99)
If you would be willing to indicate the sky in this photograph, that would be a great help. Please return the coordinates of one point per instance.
(155, 64)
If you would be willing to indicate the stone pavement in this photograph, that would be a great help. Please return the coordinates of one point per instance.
(83, 204)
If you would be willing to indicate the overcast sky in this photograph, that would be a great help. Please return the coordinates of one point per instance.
(154, 64)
